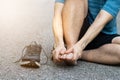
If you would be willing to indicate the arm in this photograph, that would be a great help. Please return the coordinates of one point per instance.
(57, 24)
(59, 47)
(101, 20)
(109, 10)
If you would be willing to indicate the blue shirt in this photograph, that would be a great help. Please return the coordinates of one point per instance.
(111, 6)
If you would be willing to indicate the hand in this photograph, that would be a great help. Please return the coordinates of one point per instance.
(57, 52)
(73, 54)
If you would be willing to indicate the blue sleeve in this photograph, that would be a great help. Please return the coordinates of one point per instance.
(61, 1)
(112, 7)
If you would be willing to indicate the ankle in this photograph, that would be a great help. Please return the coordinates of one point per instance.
(69, 45)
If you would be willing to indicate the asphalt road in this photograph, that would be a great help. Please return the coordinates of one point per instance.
(23, 21)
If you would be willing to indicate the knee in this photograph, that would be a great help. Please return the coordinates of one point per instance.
(116, 40)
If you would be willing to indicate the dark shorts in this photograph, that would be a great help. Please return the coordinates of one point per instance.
(100, 40)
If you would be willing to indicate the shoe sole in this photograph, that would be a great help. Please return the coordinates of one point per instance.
(30, 64)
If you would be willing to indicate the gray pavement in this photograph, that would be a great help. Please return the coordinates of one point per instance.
(23, 21)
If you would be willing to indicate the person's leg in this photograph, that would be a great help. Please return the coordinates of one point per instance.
(106, 54)
(73, 15)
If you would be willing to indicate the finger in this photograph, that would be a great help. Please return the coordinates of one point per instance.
(63, 57)
(75, 56)
(69, 51)
(62, 51)
(56, 56)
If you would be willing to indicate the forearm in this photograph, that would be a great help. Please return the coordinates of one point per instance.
(57, 24)
(101, 20)
(58, 31)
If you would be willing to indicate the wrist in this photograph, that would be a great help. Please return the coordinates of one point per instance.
(82, 44)
(69, 45)
(56, 44)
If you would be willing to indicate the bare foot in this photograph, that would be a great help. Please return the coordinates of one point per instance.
(68, 59)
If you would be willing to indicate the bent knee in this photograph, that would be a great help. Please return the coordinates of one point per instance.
(116, 40)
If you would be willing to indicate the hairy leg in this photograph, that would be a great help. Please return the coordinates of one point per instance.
(74, 12)
(106, 54)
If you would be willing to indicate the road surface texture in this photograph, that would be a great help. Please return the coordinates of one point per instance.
(24, 21)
